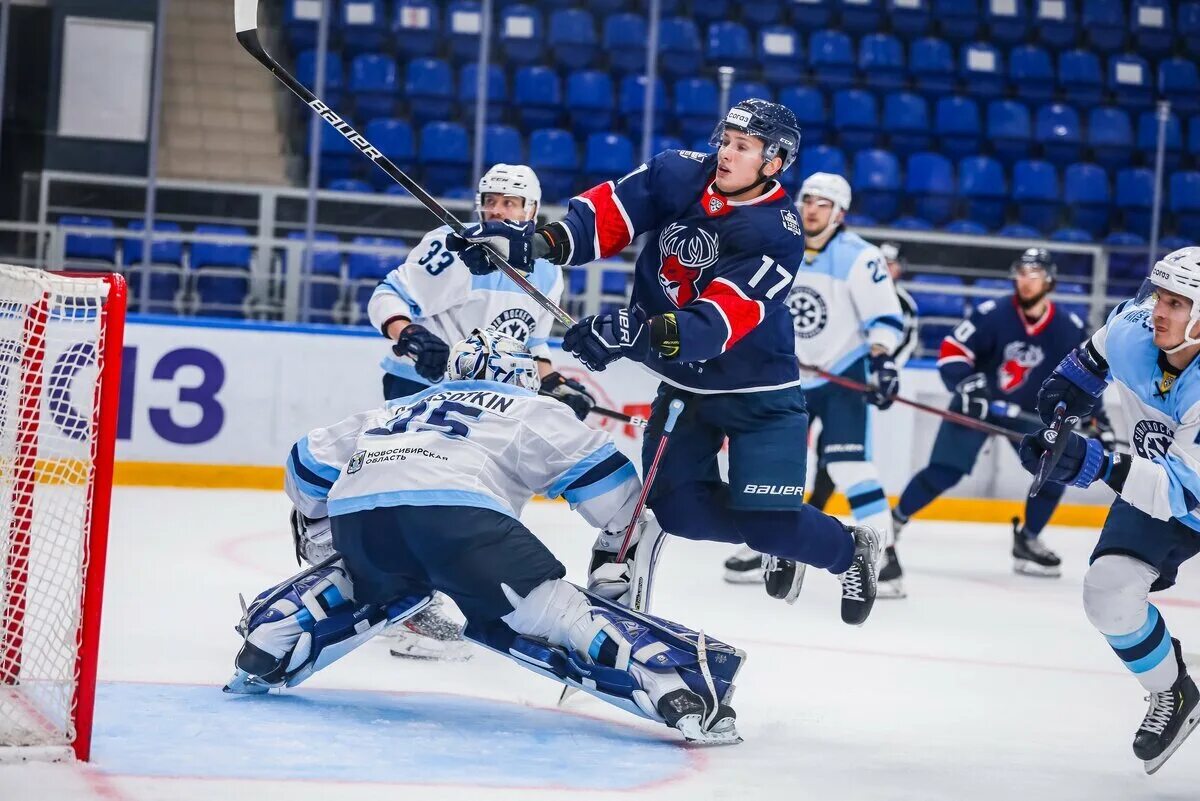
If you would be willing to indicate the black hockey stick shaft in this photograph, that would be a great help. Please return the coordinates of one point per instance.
(246, 27)
(673, 411)
(632, 420)
(1058, 444)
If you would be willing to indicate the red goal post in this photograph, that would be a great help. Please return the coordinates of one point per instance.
(60, 375)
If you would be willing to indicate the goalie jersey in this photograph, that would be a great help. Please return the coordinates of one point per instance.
(463, 443)
(1162, 411)
(722, 267)
(434, 288)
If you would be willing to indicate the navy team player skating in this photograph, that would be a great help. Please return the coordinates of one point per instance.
(1147, 350)
(708, 316)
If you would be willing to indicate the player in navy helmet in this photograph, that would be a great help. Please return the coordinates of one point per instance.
(774, 124)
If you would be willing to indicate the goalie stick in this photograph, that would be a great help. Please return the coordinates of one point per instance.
(245, 19)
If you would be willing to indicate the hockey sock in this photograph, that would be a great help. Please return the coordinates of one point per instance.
(1040, 507)
(1147, 652)
(926, 485)
(868, 503)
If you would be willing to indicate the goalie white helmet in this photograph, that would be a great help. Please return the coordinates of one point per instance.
(833, 188)
(1178, 272)
(492, 356)
(515, 180)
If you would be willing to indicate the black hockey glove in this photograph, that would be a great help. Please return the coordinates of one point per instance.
(512, 240)
(429, 352)
(1079, 381)
(885, 381)
(601, 339)
(1082, 462)
(971, 397)
(570, 392)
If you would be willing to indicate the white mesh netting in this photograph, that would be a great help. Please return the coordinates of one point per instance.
(51, 345)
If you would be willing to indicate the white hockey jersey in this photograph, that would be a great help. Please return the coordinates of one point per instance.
(463, 443)
(1163, 418)
(434, 288)
(843, 301)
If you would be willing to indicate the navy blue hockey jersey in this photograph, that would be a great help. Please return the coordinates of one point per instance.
(723, 267)
(1014, 354)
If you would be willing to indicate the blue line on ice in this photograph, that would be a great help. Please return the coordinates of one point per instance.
(363, 736)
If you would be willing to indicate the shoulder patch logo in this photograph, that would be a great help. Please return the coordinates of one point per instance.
(685, 251)
(693, 155)
(356, 462)
(790, 222)
(1151, 439)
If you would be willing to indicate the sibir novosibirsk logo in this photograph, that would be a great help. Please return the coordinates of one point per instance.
(356, 462)
(517, 323)
(1152, 439)
(809, 312)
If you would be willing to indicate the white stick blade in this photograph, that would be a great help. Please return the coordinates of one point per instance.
(245, 15)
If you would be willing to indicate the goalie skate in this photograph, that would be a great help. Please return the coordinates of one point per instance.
(429, 634)
(686, 711)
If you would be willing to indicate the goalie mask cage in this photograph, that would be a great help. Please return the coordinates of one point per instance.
(60, 370)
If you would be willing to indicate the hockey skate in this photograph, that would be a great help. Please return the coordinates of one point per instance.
(783, 577)
(1031, 557)
(891, 576)
(859, 583)
(686, 711)
(429, 634)
(744, 567)
(1172, 716)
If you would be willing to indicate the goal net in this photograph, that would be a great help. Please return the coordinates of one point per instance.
(60, 341)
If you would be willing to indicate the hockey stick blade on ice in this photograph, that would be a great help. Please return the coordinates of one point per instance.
(245, 18)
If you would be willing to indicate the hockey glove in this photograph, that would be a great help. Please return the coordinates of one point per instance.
(1082, 462)
(971, 397)
(1078, 381)
(430, 353)
(570, 392)
(512, 240)
(885, 381)
(600, 339)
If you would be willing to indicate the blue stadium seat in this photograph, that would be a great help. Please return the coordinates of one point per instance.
(780, 52)
(679, 50)
(335, 79)
(522, 34)
(831, 58)
(1073, 263)
(1129, 80)
(1072, 298)
(660, 142)
(613, 6)
(1193, 137)
(324, 282)
(394, 138)
(856, 118)
(502, 145)
(445, 156)
(631, 102)
(710, 12)
(881, 61)
(349, 185)
(811, 14)
(537, 95)
(766, 12)
(855, 220)
(430, 90)
(1147, 138)
(1179, 82)
(497, 88)
(338, 157)
(1110, 136)
(553, 157)
(1134, 196)
(910, 223)
(166, 268)
(162, 251)
(300, 21)
(362, 25)
(1056, 23)
(1152, 27)
(1035, 192)
(932, 302)
(876, 184)
(696, 107)
(958, 20)
(728, 43)
(1170, 243)
(1057, 129)
(745, 90)
(982, 184)
(625, 37)
(1184, 200)
(808, 104)
(931, 63)
(90, 247)
(374, 85)
(589, 101)
(222, 272)
(572, 38)
(909, 18)
(820, 158)
(464, 21)
(1079, 76)
(1009, 129)
(908, 126)
(1189, 25)
(1007, 20)
(607, 156)
(861, 16)
(1019, 231)
(364, 271)
(1105, 25)
(956, 123)
(1031, 72)
(981, 67)
(416, 27)
(1087, 195)
(1077, 235)
(929, 181)
(966, 227)
(1126, 265)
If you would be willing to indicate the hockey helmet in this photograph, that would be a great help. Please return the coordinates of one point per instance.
(773, 123)
(1178, 272)
(511, 179)
(488, 355)
(833, 188)
(1035, 259)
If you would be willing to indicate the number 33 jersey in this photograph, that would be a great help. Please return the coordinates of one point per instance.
(463, 443)
(434, 288)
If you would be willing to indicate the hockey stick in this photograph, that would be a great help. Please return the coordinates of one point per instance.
(632, 420)
(673, 412)
(1058, 444)
(245, 18)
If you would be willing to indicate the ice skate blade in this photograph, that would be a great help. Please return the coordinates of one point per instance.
(1152, 765)
(1025, 567)
(723, 732)
(890, 590)
(754, 576)
(242, 683)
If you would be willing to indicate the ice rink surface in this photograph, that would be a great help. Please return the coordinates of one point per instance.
(981, 686)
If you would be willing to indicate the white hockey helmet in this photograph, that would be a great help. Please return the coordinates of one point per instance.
(1178, 272)
(488, 355)
(833, 188)
(511, 179)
